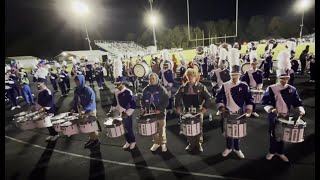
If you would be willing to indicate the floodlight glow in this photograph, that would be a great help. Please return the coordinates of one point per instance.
(304, 4)
(153, 20)
(64, 54)
(79, 7)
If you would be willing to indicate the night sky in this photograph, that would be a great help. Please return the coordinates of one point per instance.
(47, 27)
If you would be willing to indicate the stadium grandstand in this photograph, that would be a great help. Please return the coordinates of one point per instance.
(125, 48)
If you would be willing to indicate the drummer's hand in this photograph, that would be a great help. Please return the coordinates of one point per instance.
(248, 112)
(203, 110)
(301, 113)
(124, 115)
(82, 112)
(274, 111)
(178, 110)
(42, 109)
(157, 111)
(222, 109)
(259, 88)
(142, 110)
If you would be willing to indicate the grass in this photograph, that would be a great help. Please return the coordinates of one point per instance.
(190, 54)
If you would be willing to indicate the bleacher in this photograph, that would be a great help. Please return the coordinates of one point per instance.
(125, 48)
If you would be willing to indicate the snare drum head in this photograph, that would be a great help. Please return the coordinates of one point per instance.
(141, 70)
(66, 124)
(23, 113)
(257, 91)
(245, 67)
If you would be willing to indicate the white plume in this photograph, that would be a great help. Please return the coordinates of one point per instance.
(291, 45)
(223, 53)
(284, 60)
(233, 57)
(229, 47)
(213, 49)
(270, 46)
(165, 54)
(183, 59)
(252, 55)
(117, 64)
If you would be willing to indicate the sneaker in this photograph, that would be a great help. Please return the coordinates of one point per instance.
(101, 87)
(188, 147)
(132, 145)
(269, 79)
(154, 147)
(200, 147)
(269, 156)
(20, 97)
(13, 108)
(226, 152)
(239, 153)
(55, 137)
(255, 114)
(33, 94)
(164, 148)
(18, 107)
(17, 97)
(283, 157)
(126, 145)
(49, 138)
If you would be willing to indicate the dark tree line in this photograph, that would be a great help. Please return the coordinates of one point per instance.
(256, 28)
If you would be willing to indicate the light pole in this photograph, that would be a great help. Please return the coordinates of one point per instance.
(153, 22)
(80, 9)
(303, 5)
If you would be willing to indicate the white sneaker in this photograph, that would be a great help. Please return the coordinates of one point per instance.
(101, 87)
(49, 138)
(55, 137)
(226, 152)
(17, 97)
(33, 94)
(126, 145)
(18, 107)
(164, 148)
(283, 157)
(20, 97)
(255, 114)
(188, 147)
(132, 145)
(13, 108)
(218, 113)
(200, 147)
(269, 156)
(154, 147)
(239, 153)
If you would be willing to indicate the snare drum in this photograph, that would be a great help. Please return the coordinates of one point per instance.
(147, 125)
(88, 124)
(68, 128)
(26, 123)
(235, 128)
(57, 124)
(290, 132)
(59, 116)
(257, 95)
(114, 127)
(141, 70)
(190, 125)
(23, 113)
(42, 120)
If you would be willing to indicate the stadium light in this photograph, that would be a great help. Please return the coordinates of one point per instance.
(153, 21)
(303, 5)
(80, 9)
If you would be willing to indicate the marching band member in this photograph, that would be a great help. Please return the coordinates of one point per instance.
(99, 75)
(233, 96)
(267, 63)
(167, 78)
(76, 70)
(175, 65)
(221, 74)
(15, 79)
(195, 94)
(53, 79)
(312, 68)
(245, 57)
(131, 76)
(84, 102)
(11, 94)
(290, 45)
(124, 103)
(41, 73)
(253, 77)
(61, 82)
(46, 103)
(155, 100)
(25, 88)
(278, 100)
(66, 78)
(303, 59)
(183, 64)
(155, 65)
(89, 72)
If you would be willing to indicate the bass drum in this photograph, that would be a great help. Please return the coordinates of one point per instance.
(141, 70)
(245, 67)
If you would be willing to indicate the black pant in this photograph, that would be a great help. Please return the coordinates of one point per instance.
(52, 132)
(303, 66)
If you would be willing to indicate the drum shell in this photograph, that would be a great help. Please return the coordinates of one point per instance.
(26, 123)
(141, 70)
(56, 125)
(291, 133)
(257, 95)
(235, 128)
(147, 126)
(116, 129)
(190, 126)
(69, 130)
(43, 122)
(245, 67)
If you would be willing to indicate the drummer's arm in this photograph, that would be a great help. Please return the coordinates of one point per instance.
(207, 98)
(132, 104)
(143, 98)
(178, 98)
(220, 98)
(88, 108)
(268, 101)
(297, 103)
(164, 99)
(245, 78)
(249, 101)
